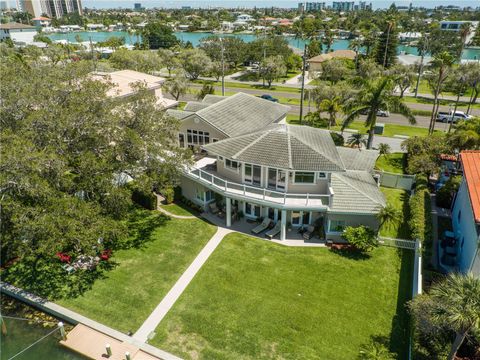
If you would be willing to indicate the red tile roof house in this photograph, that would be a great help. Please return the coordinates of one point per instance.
(466, 214)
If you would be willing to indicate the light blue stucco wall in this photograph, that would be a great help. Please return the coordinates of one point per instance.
(464, 228)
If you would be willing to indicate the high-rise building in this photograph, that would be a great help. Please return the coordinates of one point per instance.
(53, 8)
(311, 6)
(343, 5)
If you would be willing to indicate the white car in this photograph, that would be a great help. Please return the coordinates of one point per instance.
(447, 116)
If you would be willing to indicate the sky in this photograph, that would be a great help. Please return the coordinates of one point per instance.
(104, 4)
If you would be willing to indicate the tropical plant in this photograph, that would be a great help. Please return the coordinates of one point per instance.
(386, 50)
(362, 237)
(206, 89)
(384, 149)
(374, 96)
(465, 30)
(441, 64)
(332, 107)
(453, 305)
(375, 351)
(176, 85)
(355, 45)
(356, 140)
(389, 215)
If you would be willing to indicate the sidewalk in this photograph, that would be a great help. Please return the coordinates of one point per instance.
(169, 300)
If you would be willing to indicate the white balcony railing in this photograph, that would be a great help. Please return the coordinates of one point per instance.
(258, 193)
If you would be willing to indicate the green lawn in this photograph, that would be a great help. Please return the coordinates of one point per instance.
(394, 163)
(259, 300)
(179, 209)
(389, 131)
(399, 199)
(126, 295)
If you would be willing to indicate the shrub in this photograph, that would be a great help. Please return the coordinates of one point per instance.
(169, 194)
(362, 237)
(177, 193)
(338, 139)
(146, 199)
(420, 208)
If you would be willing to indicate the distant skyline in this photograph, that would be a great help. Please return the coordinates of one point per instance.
(106, 4)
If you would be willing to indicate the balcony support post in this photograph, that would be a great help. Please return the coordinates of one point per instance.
(228, 203)
(283, 223)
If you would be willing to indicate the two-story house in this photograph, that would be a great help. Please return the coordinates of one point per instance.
(263, 167)
(466, 214)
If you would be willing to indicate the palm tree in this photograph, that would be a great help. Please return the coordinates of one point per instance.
(355, 45)
(389, 215)
(465, 30)
(384, 149)
(442, 63)
(332, 107)
(328, 40)
(453, 304)
(356, 140)
(376, 95)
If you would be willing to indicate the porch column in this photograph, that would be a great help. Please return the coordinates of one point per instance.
(283, 227)
(228, 203)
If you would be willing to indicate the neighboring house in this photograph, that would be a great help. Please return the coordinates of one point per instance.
(466, 214)
(124, 80)
(18, 33)
(245, 18)
(294, 175)
(457, 26)
(315, 63)
(41, 22)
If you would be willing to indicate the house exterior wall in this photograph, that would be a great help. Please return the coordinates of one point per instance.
(350, 220)
(465, 229)
(190, 189)
(195, 122)
(229, 174)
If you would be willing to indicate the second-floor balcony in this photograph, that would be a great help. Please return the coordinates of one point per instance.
(205, 173)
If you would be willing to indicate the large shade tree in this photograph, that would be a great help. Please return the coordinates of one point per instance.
(65, 143)
(374, 96)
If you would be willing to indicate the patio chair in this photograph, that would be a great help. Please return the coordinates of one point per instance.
(213, 208)
(275, 231)
(307, 235)
(263, 226)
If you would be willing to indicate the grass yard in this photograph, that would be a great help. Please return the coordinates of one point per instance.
(394, 163)
(126, 296)
(258, 300)
(398, 198)
(179, 209)
(390, 130)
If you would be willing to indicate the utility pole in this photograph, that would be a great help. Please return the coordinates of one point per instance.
(264, 48)
(303, 82)
(223, 67)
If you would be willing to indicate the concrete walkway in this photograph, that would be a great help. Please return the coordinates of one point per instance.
(169, 300)
(160, 201)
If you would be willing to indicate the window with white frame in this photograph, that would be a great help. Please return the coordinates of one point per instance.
(322, 175)
(231, 164)
(197, 137)
(303, 177)
(199, 194)
(337, 225)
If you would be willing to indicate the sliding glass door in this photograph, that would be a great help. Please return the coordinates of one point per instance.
(276, 179)
(253, 174)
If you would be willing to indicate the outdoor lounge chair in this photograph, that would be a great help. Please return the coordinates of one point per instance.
(275, 231)
(263, 226)
(307, 235)
(213, 208)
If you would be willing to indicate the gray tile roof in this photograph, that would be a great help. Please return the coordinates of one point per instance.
(242, 113)
(179, 114)
(212, 99)
(195, 106)
(283, 146)
(356, 192)
(358, 159)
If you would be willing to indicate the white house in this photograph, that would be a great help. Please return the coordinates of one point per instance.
(19, 33)
(245, 18)
(457, 25)
(257, 166)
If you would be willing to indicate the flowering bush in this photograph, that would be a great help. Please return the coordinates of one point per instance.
(106, 254)
(63, 257)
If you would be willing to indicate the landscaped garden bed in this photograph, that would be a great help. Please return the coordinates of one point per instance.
(255, 299)
(143, 274)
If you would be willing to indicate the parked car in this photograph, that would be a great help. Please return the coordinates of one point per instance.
(269, 97)
(447, 116)
(381, 113)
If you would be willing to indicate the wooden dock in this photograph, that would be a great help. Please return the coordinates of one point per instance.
(91, 344)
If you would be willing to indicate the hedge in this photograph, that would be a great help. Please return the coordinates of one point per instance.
(148, 200)
(420, 212)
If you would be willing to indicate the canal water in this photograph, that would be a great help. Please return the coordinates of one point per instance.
(195, 37)
(21, 334)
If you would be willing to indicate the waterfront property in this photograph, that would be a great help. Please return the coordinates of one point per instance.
(18, 33)
(466, 216)
(123, 85)
(315, 63)
(252, 166)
